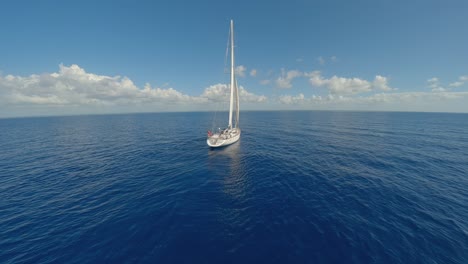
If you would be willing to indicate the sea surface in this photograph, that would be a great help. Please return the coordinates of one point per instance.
(299, 187)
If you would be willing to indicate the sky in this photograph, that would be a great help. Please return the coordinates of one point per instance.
(94, 57)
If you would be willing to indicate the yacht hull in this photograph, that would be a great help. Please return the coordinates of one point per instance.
(217, 140)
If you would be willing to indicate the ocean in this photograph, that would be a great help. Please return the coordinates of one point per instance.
(299, 187)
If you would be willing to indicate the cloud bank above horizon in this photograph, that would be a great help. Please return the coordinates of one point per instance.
(72, 90)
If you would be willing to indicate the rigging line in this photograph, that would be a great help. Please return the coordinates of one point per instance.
(218, 115)
(218, 107)
(222, 104)
(214, 119)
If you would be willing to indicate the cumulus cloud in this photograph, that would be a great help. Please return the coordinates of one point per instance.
(348, 86)
(381, 83)
(461, 81)
(149, 94)
(288, 99)
(340, 85)
(456, 84)
(435, 86)
(220, 92)
(315, 99)
(412, 97)
(285, 79)
(251, 97)
(240, 70)
(73, 86)
(407, 98)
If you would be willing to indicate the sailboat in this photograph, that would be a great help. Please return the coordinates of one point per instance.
(231, 134)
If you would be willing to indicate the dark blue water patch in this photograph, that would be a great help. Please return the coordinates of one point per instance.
(299, 187)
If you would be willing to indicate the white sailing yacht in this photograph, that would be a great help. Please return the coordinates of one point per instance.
(231, 134)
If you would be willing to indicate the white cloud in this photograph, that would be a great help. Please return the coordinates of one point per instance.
(221, 92)
(439, 89)
(381, 83)
(218, 92)
(149, 94)
(288, 99)
(284, 81)
(348, 86)
(39, 100)
(240, 70)
(412, 97)
(250, 97)
(299, 60)
(253, 72)
(73, 87)
(72, 90)
(333, 58)
(461, 81)
(300, 99)
(435, 86)
(405, 101)
(456, 84)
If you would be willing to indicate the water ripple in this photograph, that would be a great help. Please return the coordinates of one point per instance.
(299, 187)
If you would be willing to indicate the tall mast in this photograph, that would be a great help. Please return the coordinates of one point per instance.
(232, 75)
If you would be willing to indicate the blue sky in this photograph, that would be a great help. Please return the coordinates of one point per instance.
(73, 57)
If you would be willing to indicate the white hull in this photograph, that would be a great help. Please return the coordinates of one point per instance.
(221, 140)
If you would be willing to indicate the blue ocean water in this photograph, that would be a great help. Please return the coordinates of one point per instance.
(299, 187)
